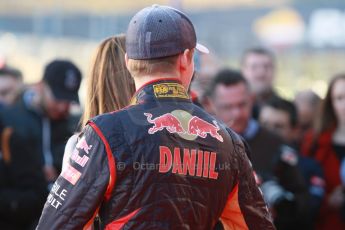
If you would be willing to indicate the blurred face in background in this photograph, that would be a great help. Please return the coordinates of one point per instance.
(258, 69)
(55, 109)
(278, 121)
(9, 89)
(307, 104)
(233, 105)
(338, 100)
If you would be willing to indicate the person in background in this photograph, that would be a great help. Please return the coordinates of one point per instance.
(258, 68)
(281, 180)
(35, 132)
(11, 84)
(280, 116)
(230, 99)
(327, 145)
(308, 104)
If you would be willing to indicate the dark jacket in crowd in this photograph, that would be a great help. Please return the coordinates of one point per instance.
(315, 181)
(273, 164)
(23, 188)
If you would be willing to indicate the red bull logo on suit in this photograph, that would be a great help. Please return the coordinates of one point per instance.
(201, 128)
(166, 121)
(184, 124)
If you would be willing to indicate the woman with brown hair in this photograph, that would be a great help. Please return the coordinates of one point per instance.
(327, 145)
(109, 87)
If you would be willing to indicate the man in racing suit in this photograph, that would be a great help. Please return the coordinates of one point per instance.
(162, 162)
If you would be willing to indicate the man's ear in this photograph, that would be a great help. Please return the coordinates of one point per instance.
(183, 60)
(186, 58)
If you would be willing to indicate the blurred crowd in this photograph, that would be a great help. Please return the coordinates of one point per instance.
(297, 147)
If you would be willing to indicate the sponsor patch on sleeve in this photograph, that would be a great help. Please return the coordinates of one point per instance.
(57, 196)
(83, 145)
(71, 174)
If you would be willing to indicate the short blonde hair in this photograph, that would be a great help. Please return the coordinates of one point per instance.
(139, 68)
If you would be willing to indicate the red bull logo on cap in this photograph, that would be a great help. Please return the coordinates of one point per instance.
(184, 124)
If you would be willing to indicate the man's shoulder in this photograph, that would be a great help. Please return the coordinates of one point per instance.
(111, 123)
(111, 117)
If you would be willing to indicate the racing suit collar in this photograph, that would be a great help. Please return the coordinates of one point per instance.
(162, 88)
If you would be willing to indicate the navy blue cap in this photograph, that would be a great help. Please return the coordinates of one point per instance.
(63, 78)
(160, 31)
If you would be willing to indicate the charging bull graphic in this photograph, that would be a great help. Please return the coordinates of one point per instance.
(166, 121)
(201, 128)
(193, 126)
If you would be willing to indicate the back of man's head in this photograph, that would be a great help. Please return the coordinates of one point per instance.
(156, 38)
(165, 65)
